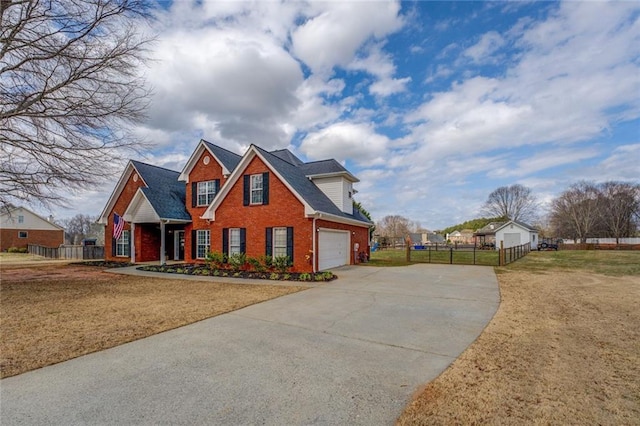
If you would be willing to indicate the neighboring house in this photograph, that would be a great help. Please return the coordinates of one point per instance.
(20, 227)
(513, 233)
(487, 234)
(261, 204)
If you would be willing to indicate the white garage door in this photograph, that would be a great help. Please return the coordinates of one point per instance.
(333, 249)
(511, 239)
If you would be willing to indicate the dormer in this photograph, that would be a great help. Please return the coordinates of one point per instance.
(338, 186)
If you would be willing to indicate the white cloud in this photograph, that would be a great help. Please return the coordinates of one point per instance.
(338, 29)
(488, 44)
(356, 141)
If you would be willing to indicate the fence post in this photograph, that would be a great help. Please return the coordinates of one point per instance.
(408, 244)
(430, 254)
(501, 254)
(451, 256)
(474, 254)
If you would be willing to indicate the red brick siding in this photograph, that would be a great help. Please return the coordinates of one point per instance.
(47, 238)
(359, 235)
(120, 206)
(200, 172)
(284, 209)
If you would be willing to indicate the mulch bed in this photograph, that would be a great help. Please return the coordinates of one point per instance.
(203, 270)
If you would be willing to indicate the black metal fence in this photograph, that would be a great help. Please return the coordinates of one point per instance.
(454, 255)
(67, 252)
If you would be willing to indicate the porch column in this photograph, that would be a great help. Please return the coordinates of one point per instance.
(133, 243)
(162, 243)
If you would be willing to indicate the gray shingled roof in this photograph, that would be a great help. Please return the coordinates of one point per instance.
(165, 193)
(296, 177)
(287, 156)
(226, 157)
(322, 167)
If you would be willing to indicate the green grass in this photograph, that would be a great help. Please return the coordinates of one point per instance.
(607, 262)
(393, 257)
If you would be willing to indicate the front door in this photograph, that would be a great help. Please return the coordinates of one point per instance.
(178, 245)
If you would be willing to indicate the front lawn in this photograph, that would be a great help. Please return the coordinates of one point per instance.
(563, 348)
(53, 313)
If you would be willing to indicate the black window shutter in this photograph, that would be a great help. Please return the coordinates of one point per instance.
(113, 247)
(265, 188)
(225, 241)
(216, 186)
(243, 240)
(247, 191)
(194, 194)
(194, 244)
(290, 243)
(268, 248)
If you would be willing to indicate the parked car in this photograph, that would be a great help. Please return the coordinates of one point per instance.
(547, 246)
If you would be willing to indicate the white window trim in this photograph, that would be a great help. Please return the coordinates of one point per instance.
(232, 249)
(204, 242)
(20, 218)
(256, 190)
(122, 246)
(208, 191)
(277, 247)
(26, 234)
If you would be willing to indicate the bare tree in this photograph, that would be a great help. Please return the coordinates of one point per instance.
(619, 206)
(575, 212)
(393, 226)
(80, 227)
(70, 89)
(515, 202)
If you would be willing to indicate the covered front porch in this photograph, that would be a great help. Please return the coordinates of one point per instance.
(159, 242)
(157, 226)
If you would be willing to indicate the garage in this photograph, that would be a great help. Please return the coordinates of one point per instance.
(333, 249)
(511, 239)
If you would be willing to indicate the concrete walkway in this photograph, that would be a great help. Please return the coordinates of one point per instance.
(349, 352)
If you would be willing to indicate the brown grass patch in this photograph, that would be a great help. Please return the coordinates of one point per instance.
(54, 313)
(563, 348)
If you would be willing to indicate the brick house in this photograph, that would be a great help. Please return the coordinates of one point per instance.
(20, 227)
(261, 204)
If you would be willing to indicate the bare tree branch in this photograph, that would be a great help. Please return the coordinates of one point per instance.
(515, 202)
(70, 92)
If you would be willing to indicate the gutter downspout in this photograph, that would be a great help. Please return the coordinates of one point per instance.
(315, 248)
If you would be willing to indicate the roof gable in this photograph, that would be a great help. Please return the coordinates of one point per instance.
(227, 159)
(295, 178)
(165, 193)
(522, 225)
(9, 220)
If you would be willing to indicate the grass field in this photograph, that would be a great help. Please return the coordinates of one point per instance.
(51, 313)
(563, 348)
(393, 257)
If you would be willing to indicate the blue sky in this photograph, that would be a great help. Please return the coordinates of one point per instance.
(431, 104)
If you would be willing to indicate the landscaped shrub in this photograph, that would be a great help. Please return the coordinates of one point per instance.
(237, 260)
(17, 250)
(281, 264)
(214, 259)
(256, 264)
(267, 261)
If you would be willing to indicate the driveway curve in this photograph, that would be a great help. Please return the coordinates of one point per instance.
(352, 351)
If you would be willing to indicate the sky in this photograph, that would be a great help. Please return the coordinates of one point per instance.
(432, 105)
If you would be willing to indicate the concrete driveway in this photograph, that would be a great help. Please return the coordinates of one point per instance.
(349, 352)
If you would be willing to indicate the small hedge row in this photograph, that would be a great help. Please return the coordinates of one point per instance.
(206, 271)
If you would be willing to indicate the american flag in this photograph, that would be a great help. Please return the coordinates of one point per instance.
(118, 225)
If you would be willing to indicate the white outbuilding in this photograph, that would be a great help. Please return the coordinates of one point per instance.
(513, 233)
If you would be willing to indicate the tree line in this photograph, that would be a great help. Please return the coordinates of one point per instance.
(585, 210)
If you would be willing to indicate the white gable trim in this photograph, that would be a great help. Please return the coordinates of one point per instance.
(344, 174)
(339, 219)
(251, 153)
(122, 182)
(511, 222)
(139, 202)
(193, 160)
